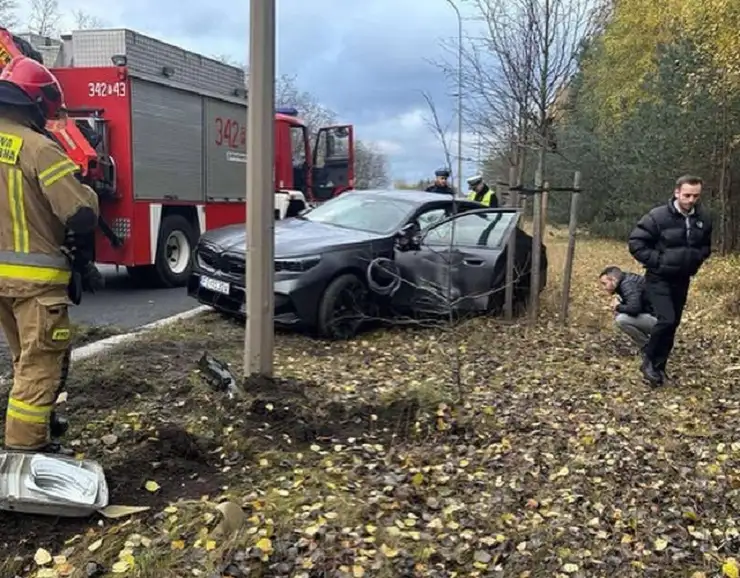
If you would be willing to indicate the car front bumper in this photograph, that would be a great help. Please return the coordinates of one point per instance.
(229, 296)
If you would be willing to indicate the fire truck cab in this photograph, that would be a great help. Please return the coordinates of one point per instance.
(160, 134)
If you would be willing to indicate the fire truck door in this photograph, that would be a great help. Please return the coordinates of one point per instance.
(333, 161)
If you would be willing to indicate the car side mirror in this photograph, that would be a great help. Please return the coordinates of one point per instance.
(409, 237)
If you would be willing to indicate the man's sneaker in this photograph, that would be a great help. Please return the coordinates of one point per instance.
(652, 375)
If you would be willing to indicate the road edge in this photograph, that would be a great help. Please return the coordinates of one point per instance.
(103, 345)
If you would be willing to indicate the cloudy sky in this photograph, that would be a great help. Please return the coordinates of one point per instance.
(364, 60)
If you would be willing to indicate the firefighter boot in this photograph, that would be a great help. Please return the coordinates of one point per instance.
(58, 425)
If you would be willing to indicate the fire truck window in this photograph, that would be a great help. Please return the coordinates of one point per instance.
(298, 155)
(321, 149)
(297, 145)
(338, 142)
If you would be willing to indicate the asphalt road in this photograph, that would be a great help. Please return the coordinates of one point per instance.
(121, 305)
(124, 306)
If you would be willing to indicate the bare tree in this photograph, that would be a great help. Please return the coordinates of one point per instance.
(371, 167)
(313, 113)
(44, 17)
(435, 125)
(8, 17)
(519, 67)
(86, 21)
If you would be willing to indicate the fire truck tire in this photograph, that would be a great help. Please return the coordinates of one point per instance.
(172, 266)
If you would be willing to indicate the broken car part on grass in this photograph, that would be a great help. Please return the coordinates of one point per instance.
(35, 483)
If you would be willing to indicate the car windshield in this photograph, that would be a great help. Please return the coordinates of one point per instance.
(364, 212)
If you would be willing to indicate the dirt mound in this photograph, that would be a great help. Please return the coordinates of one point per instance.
(175, 459)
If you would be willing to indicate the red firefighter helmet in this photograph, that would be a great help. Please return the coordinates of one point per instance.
(37, 82)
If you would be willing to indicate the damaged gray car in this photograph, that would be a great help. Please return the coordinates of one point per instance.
(371, 255)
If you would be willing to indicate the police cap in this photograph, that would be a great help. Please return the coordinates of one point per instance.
(475, 181)
(443, 172)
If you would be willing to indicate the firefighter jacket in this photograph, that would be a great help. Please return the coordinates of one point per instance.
(40, 199)
(487, 197)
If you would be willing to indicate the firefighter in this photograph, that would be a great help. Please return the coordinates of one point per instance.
(41, 204)
(481, 192)
(440, 182)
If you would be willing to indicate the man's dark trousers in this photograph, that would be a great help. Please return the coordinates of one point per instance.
(667, 299)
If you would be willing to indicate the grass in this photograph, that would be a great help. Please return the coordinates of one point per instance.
(551, 459)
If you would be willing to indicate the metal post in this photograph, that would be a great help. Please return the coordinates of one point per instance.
(259, 335)
(459, 97)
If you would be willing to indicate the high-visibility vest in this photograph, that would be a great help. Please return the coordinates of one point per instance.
(486, 200)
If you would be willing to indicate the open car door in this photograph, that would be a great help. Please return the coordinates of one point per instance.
(459, 262)
(333, 162)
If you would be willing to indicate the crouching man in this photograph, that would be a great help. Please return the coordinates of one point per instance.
(630, 305)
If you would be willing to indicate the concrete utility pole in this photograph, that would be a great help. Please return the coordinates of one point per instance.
(459, 97)
(259, 337)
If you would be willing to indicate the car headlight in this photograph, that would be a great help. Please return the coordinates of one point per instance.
(297, 264)
(206, 257)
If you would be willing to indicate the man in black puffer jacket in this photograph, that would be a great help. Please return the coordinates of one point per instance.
(672, 241)
(630, 305)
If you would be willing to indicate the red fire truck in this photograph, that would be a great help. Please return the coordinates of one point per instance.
(160, 134)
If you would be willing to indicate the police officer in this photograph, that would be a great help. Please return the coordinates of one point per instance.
(41, 202)
(481, 193)
(440, 182)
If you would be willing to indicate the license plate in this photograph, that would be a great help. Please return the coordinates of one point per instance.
(215, 285)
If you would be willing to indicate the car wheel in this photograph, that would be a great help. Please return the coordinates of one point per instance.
(343, 308)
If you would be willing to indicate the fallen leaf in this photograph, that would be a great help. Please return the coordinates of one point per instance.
(151, 486)
(660, 544)
(177, 545)
(42, 557)
(95, 545)
(265, 544)
(115, 512)
(120, 567)
(730, 568)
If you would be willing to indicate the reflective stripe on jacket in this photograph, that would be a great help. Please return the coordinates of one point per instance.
(38, 194)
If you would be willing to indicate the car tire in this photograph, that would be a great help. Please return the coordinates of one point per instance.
(173, 269)
(345, 287)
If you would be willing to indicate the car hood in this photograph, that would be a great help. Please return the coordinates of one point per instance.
(293, 237)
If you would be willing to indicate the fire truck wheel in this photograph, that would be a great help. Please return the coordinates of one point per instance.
(175, 244)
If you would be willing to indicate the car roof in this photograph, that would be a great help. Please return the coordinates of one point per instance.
(418, 197)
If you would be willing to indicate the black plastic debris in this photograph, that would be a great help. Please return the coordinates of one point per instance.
(218, 376)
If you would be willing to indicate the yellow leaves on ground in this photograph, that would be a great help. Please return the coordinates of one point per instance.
(265, 545)
(730, 568)
(151, 486)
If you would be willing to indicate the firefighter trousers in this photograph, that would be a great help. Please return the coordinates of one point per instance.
(38, 332)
